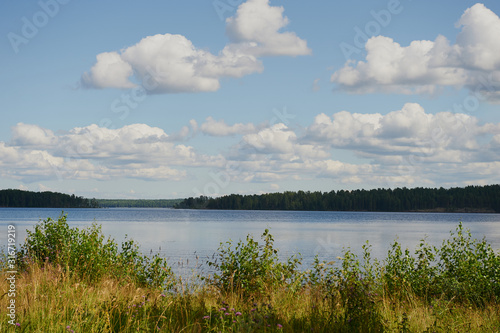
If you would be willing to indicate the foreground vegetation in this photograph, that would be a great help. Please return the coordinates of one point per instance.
(72, 280)
(468, 199)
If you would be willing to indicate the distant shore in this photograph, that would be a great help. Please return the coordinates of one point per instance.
(458, 210)
(471, 199)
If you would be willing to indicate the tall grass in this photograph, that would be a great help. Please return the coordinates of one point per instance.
(73, 280)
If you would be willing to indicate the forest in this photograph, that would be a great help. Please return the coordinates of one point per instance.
(139, 203)
(20, 198)
(468, 199)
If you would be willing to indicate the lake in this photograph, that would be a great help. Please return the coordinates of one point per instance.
(194, 235)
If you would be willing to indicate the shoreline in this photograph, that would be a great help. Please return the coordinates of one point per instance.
(464, 210)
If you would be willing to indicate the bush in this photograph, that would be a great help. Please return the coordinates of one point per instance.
(463, 269)
(353, 287)
(251, 267)
(87, 254)
(468, 268)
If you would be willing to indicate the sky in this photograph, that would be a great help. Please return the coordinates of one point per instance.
(172, 99)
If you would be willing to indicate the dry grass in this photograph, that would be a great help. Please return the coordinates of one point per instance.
(48, 300)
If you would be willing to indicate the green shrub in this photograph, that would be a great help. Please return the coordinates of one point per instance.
(464, 269)
(87, 254)
(354, 288)
(469, 269)
(251, 267)
(401, 272)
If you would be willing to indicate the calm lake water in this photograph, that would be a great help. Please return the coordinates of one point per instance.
(184, 235)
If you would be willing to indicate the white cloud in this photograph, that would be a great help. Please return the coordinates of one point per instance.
(262, 169)
(389, 67)
(280, 142)
(426, 66)
(172, 64)
(274, 187)
(43, 188)
(255, 29)
(220, 128)
(93, 152)
(169, 64)
(110, 70)
(406, 147)
(403, 132)
(478, 45)
(7, 154)
(275, 139)
(157, 173)
(344, 127)
(32, 135)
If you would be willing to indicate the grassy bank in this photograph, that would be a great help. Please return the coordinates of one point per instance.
(72, 280)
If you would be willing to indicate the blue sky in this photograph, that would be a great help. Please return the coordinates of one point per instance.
(167, 99)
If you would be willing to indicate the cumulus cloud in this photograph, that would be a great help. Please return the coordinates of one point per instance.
(389, 67)
(282, 142)
(477, 44)
(405, 147)
(220, 128)
(427, 66)
(167, 63)
(93, 152)
(260, 169)
(110, 70)
(255, 29)
(32, 135)
(404, 132)
(277, 138)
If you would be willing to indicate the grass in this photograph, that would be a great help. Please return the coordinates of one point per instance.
(452, 288)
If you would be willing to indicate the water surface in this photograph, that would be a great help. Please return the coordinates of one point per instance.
(182, 235)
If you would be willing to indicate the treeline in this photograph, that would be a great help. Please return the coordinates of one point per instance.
(47, 199)
(468, 199)
(137, 203)
(200, 202)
